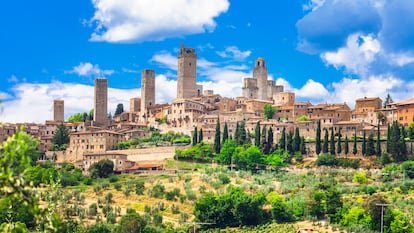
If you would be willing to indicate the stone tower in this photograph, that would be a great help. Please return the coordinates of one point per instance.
(147, 89)
(100, 104)
(186, 80)
(260, 73)
(58, 110)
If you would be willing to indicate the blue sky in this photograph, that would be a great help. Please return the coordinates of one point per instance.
(324, 51)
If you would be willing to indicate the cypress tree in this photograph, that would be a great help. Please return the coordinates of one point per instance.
(195, 136)
(378, 140)
(325, 148)
(243, 133)
(346, 146)
(388, 138)
(237, 133)
(355, 149)
(403, 146)
(371, 145)
(257, 134)
(269, 140)
(217, 137)
(339, 147)
(302, 145)
(263, 140)
(225, 133)
(364, 144)
(282, 140)
(289, 142)
(332, 142)
(296, 140)
(318, 138)
(200, 135)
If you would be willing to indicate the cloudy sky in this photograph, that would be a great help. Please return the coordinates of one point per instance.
(325, 51)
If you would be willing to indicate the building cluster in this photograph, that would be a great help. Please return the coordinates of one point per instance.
(195, 107)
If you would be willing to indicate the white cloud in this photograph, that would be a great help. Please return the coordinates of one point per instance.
(347, 90)
(359, 52)
(313, 5)
(235, 53)
(165, 59)
(401, 59)
(131, 20)
(13, 79)
(88, 69)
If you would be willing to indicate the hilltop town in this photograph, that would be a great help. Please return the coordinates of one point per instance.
(195, 108)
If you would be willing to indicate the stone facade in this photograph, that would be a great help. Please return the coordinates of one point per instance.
(121, 163)
(186, 80)
(58, 110)
(101, 102)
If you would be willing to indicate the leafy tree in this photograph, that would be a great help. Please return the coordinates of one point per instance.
(131, 223)
(102, 169)
(225, 133)
(346, 146)
(77, 117)
(302, 118)
(269, 110)
(356, 216)
(226, 152)
(119, 109)
(318, 138)
(332, 142)
(371, 145)
(217, 137)
(61, 137)
(90, 114)
(99, 228)
(339, 146)
(325, 148)
(280, 210)
(282, 140)
(315, 203)
(257, 134)
(400, 222)
(374, 211)
(200, 135)
(408, 168)
(195, 136)
(296, 140)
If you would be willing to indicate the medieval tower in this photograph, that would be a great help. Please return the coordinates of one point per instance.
(186, 80)
(260, 73)
(100, 104)
(147, 90)
(58, 110)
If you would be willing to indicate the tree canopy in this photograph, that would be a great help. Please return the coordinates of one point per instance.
(269, 110)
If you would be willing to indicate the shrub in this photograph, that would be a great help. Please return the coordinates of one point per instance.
(113, 178)
(224, 178)
(360, 177)
(326, 159)
(157, 191)
(117, 186)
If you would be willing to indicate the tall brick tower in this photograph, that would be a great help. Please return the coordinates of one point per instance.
(260, 73)
(186, 81)
(147, 89)
(58, 110)
(100, 104)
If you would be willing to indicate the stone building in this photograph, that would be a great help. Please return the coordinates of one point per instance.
(183, 112)
(186, 80)
(366, 110)
(121, 162)
(405, 111)
(135, 104)
(92, 142)
(100, 114)
(259, 87)
(147, 92)
(58, 110)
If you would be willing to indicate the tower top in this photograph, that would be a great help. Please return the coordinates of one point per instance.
(186, 51)
(260, 62)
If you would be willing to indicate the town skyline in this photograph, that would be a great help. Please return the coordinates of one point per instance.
(319, 66)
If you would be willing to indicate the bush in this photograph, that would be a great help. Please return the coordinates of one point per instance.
(224, 178)
(360, 177)
(408, 168)
(326, 159)
(113, 178)
(157, 191)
